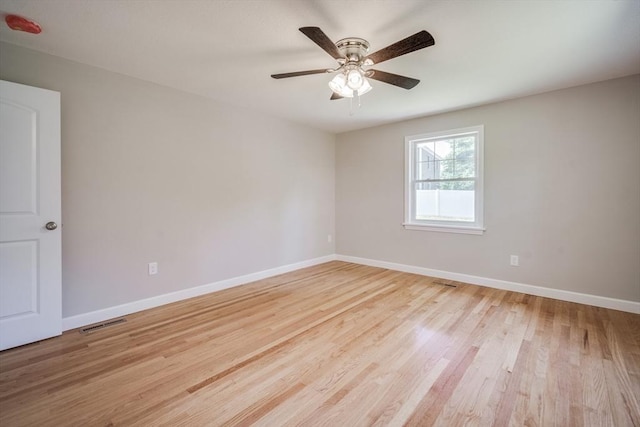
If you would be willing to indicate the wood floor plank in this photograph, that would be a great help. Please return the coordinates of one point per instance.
(337, 344)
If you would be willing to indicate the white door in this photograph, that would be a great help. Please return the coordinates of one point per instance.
(30, 232)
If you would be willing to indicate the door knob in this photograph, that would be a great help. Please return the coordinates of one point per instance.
(51, 225)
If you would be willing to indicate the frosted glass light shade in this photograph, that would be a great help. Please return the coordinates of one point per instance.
(355, 79)
(366, 87)
(340, 84)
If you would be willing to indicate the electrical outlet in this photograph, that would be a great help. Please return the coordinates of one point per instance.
(329, 238)
(153, 268)
(515, 261)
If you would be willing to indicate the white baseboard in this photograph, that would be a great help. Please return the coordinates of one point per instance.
(84, 319)
(595, 300)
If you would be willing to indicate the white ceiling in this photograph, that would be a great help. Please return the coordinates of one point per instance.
(226, 49)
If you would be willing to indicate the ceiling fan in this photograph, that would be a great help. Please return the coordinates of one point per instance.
(353, 62)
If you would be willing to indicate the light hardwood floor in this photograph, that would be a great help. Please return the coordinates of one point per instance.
(337, 344)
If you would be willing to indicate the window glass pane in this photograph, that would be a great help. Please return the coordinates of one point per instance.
(426, 166)
(444, 149)
(426, 148)
(465, 147)
(451, 158)
(465, 157)
(447, 169)
(426, 170)
(427, 185)
(465, 168)
(445, 201)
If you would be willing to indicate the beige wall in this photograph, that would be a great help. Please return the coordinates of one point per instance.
(562, 191)
(207, 190)
(212, 191)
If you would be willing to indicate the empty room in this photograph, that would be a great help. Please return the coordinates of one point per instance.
(319, 213)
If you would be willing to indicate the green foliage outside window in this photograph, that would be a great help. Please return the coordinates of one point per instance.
(459, 162)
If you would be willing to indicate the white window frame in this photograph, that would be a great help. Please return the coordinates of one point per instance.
(466, 227)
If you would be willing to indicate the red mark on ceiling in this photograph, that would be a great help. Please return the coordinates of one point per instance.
(19, 23)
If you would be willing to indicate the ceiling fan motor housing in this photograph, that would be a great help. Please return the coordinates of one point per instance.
(353, 49)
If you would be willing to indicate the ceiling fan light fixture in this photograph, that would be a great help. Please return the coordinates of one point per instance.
(366, 87)
(343, 86)
(338, 83)
(355, 79)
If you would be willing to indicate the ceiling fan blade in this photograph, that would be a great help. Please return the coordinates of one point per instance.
(321, 39)
(394, 79)
(335, 96)
(299, 73)
(412, 43)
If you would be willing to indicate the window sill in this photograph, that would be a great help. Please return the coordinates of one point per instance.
(445, 228)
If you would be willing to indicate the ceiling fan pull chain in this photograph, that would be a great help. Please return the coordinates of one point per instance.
(358, 99)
